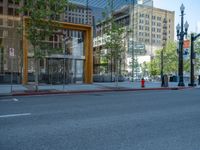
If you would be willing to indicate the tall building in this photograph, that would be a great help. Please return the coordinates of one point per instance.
(51, 67)
(149, 27)
(78, 14)
(104, 3)
(145, 2)
(9, 38)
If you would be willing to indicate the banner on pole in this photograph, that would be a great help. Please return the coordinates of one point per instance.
(11, 52)
(186, 44)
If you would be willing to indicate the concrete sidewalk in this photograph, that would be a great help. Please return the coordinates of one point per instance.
(84, 88)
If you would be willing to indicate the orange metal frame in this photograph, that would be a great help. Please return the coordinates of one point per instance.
(88, 63)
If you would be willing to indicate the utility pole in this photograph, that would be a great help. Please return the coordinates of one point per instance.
(192, 57)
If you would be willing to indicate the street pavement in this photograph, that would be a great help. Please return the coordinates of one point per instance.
(143, 120)
(6, 89)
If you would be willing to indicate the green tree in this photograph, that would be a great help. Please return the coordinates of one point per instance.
(170, 60)
(144, 68)
(154, 67)
(41, 26)
(197, 60)
(114, 44)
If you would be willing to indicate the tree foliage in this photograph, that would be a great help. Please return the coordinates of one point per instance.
(114, 43)
(41, 25)
(197, 60)
(170, 60)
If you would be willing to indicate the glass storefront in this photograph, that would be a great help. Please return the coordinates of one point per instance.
(65, 64)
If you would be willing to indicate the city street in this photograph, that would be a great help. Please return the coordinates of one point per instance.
(142, 120)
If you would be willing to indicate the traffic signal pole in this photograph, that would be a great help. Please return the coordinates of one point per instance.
(192, 57)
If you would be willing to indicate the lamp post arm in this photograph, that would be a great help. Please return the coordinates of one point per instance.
(196, 36)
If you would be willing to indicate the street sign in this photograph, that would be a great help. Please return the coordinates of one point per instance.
(139, 48)
(11, 52)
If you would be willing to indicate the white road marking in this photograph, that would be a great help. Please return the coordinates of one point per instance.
(15, 115)
(7, 100)
(16, 100)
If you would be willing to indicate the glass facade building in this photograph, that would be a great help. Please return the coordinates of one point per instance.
(103, 3)
(69, 59)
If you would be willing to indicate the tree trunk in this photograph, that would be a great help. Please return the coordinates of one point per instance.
(116, 73)
(36, 68)
(36, 73)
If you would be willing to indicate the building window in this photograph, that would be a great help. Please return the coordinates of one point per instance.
(141, 27)
(10, 22)
(158, 30)
(159, 24)
(1, 10)
(146, 28)
(147, 40)
(10, 11)
(1, 21)
(159, 18)
(10, 1)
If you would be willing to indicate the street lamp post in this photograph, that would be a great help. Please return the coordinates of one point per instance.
(180, 36)
(162, 51)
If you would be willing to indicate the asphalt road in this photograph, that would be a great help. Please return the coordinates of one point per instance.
(145, 120)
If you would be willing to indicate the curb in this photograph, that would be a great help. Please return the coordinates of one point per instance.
(5, 94)
(94, 91)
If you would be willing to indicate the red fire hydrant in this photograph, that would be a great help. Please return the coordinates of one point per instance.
(142, 83)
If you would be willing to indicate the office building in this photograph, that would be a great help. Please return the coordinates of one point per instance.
(149, 27)
(104, 3)
(9, 38)
(51, 67)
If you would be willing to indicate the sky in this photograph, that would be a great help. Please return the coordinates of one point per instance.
(192, 11)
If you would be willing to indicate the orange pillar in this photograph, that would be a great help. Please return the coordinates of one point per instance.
(25, 55)
(88, 56)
